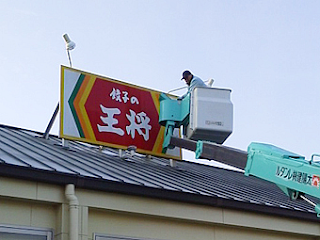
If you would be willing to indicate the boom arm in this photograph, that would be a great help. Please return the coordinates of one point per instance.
(294, 175)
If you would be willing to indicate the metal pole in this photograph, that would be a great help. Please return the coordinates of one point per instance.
(53, 118)
(69, 57)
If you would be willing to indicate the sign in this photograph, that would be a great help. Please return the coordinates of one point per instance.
(107, 112)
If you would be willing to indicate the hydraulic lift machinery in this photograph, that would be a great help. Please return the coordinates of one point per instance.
(206, 116)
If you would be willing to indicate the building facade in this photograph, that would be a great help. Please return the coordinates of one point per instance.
(48, 191)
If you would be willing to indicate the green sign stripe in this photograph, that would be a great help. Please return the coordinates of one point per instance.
(71, 100)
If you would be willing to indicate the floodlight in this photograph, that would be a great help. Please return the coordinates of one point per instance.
(69, 44)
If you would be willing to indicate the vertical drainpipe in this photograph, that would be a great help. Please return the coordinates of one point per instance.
(73, 212)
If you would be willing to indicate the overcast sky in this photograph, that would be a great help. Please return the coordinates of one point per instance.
(267, 52)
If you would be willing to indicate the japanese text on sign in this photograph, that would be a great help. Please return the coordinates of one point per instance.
(137, 121)
(297, 176)
(119, 96)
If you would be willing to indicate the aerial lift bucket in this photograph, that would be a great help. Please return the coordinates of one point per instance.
(206, 114)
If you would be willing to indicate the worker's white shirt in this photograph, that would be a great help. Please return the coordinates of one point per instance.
(195, 82)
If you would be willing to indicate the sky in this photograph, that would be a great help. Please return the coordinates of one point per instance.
(266, 52)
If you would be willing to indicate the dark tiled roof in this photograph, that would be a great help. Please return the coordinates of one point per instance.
(25, 154)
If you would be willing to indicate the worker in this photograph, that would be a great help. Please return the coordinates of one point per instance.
(192, 82)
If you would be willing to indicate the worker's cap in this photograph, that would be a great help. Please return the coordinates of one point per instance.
(185, 74)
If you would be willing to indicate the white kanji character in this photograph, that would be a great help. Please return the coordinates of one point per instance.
(134, 100)
(125, 96)
(110, 121)
(142, 123)
(116, 95)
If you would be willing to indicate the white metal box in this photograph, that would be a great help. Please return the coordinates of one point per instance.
(211, 115)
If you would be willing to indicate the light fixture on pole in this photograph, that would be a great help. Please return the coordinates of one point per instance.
(70, 45)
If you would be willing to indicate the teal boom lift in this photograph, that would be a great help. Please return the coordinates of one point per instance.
(206, 116)
(292, 173)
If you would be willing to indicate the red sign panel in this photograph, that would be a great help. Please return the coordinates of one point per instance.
(124, 115)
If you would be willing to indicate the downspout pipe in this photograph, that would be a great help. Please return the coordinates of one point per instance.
(73, 212)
